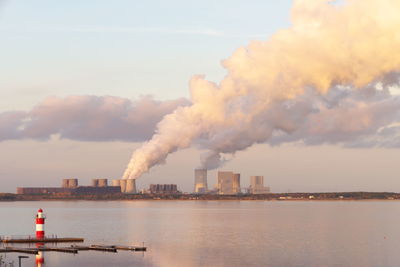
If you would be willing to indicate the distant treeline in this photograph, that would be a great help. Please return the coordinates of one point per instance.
(270, 196)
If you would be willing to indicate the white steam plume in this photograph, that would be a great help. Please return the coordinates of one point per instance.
(325, 79)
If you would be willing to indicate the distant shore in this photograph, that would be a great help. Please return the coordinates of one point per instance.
(270, 196)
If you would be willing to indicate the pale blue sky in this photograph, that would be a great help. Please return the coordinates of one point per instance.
(123, 48)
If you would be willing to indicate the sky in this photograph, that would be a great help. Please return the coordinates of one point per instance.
(127, 48)
(135, 50)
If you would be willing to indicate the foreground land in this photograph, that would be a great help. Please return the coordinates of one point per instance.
(270, 196)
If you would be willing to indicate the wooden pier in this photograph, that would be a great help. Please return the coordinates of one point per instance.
(71, 249)
(40, 239)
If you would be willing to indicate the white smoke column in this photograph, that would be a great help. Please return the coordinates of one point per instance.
(353, 44)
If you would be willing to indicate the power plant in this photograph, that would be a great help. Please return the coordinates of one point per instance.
(228, 183)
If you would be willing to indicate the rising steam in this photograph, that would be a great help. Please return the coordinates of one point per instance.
(327, 79)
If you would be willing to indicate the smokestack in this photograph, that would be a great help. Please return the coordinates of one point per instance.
(326, 79)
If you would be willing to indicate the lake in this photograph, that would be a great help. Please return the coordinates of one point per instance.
(216, 233)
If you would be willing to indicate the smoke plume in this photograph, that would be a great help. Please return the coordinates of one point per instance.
(327, 79)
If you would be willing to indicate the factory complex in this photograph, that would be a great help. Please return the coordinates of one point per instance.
(227, 187)
(228, 183)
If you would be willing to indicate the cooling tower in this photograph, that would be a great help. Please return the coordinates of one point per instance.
(73, 183)
(103, 182)
(200, 181)
(123, 185)
(116, 182)
(130, 186)
(65, 183)
(95, 182)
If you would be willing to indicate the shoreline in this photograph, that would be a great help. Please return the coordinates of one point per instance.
(330, 196)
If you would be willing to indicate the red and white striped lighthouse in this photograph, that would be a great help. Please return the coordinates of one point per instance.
(40, 224)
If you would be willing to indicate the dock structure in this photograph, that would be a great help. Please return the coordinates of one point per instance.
(74, 249)
(40, 239)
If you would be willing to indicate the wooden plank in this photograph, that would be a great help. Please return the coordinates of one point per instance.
(19, 250)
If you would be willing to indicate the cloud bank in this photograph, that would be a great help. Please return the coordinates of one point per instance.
(88, 118)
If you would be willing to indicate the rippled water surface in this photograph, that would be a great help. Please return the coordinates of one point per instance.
(216, 233)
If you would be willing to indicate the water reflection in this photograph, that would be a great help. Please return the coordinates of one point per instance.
(222, 233)
(39, 258)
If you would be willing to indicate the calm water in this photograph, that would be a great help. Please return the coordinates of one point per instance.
(217, 233)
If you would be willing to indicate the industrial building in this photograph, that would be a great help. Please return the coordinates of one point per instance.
(257, 185)
(228, 183)
(70, 186)
(163, 189)
(200, 181)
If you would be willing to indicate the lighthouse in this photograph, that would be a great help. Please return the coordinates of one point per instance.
(40, 224)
